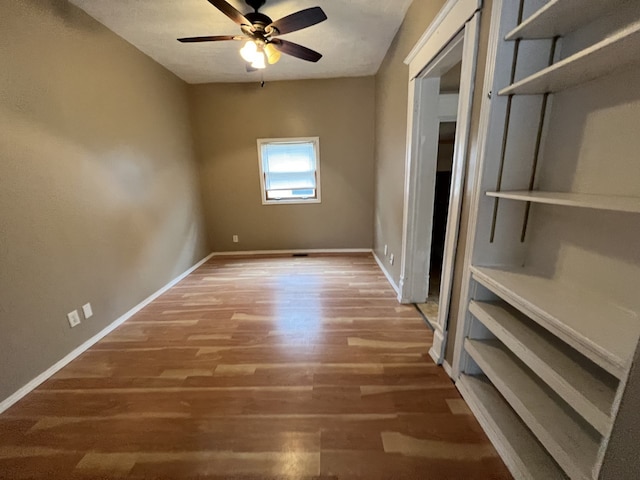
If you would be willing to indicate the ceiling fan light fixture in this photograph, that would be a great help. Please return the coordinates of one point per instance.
(250, 51)
(258, 61)
(273, 55)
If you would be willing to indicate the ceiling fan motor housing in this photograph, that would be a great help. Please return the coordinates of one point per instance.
(259, 25)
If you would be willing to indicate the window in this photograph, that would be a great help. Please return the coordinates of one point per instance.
(289, 170)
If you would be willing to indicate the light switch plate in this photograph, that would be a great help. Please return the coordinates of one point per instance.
(86, 309)
(74, 318)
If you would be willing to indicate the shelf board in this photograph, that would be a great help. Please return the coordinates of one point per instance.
(605, 333)
(615, 52)
(518, 447)
(569, 440)
(583, 385)
(581, 200)
(559, 17)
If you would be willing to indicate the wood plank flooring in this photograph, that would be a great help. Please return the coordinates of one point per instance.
(255, 368)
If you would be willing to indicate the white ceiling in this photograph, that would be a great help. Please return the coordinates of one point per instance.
(354, 40)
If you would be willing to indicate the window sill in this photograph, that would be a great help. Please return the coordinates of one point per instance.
(293, 201)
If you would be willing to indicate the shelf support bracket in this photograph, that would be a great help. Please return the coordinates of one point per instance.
(536, 155)
(505, 134)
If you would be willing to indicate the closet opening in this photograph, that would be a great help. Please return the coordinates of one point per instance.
(442, 69)
(449, 94)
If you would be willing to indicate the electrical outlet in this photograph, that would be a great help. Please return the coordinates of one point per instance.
(386, 250)
(235, 239)
(74, 318)
(391, 258)
(87, 310)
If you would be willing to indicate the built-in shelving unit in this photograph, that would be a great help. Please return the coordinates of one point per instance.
(568, 439)
(616, 52)
(580, 200)
(574, 378)
(518, 446)
(575, 316)
(550, 315)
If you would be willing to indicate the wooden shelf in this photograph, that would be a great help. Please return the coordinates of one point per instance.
(581, 200)
(521, 451)
(567, 438)
(559, 17)
(605, 333)
(583, 385)
(611, 54)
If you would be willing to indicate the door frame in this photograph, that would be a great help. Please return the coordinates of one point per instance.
(455, 27)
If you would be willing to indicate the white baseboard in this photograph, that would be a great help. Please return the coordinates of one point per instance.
(447, 368)
(434, 356)
(436, 348)
(8, 402)
(445, 365)
(292, 252)
(386, 273)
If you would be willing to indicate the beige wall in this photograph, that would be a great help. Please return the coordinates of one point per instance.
(392, 88)
(97, 182)
(228, 119)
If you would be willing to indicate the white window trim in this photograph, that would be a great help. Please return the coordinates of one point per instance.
(263, 192)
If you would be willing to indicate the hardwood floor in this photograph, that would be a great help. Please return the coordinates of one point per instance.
(258, 368)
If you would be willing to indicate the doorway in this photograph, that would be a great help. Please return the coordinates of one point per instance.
(449, 94)
(442, 74)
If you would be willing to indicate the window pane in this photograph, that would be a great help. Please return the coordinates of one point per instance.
(289, 194)
(290, 181)
(290, 169)
(288, 157)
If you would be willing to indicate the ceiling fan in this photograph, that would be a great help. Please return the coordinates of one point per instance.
(261, 33)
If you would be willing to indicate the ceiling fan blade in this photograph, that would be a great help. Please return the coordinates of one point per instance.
(230, 12)
(296, 50)
(297, 21)
(214, 38)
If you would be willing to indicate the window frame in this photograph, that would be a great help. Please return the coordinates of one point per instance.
(290, 201)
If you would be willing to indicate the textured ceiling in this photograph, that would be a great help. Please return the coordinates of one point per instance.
(354, 39)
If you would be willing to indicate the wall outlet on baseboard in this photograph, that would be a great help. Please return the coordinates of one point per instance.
(74, 318)
(391, 259)
(386, 250)
(235, 239)
(87, 310)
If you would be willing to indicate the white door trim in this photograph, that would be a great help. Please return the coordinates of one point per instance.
(420, 172)
(449, 21)
(456, 27)
(461, 152)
